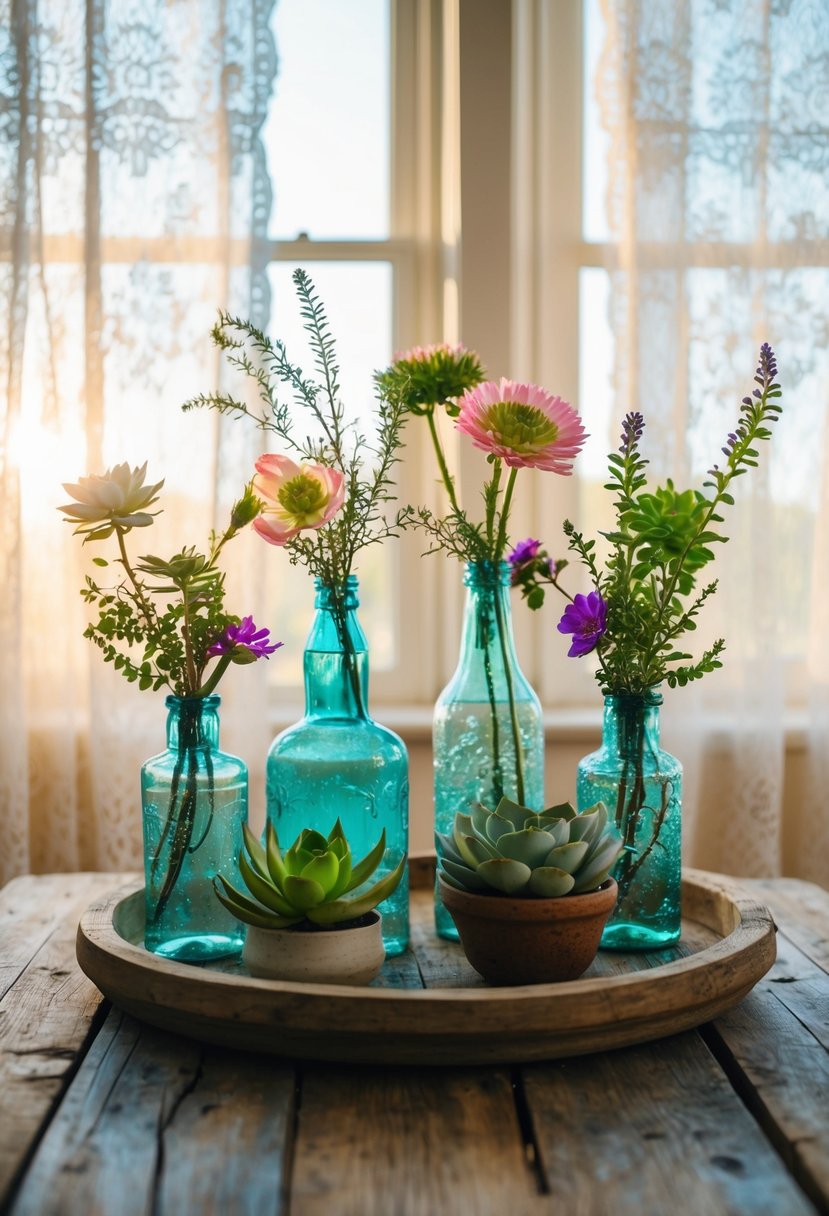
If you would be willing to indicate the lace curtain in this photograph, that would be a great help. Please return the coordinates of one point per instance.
(716, 114)
(134, 201)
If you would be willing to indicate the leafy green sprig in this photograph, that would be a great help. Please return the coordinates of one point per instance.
(366, 463)
(660, 543)
(173, 614)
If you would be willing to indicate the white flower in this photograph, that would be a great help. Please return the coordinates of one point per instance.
(119, 498)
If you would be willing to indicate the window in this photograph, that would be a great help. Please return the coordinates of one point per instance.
(455, 176)
(658, 241)
(352, 145)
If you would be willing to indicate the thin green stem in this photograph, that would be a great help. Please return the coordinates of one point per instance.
(501, 542)
(351, 670)
(513, 710)
(492, 503)
(441, 459)
(553, 581)
(497, 767)
(216, 674)
(146, 607)
(192, 677)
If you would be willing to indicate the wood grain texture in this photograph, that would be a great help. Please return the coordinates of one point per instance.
(226, 1148)
(410, 1143)
(31, 910)
(654, 1129)
(47, 1008)
(156, 1125)
(804, 909)
(439, 1025)
(101, 1152)
(775, 1048)
(150, 1125)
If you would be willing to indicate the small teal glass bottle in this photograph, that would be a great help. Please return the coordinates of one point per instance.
(337, 762)
(641, 786)
(486, 705)
(194, 800)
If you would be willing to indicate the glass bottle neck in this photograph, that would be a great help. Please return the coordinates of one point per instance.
(631, 723)
(335, 662)
(487, 623)
(192, 722)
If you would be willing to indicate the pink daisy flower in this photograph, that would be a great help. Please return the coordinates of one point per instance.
(522, 424)
(295, 497)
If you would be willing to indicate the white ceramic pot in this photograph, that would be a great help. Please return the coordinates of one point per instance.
(319, 956)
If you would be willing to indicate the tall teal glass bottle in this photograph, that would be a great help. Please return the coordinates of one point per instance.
(195, 801)
(337, 762)
(484, 707)
(642, 787)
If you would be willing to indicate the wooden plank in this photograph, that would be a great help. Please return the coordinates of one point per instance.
(153, 1125)
(410, 1143)
(801, 909)
(48, 1007)
(653, 1129)
(226, 1147)
(33, 906)
(100, 1154)
(775, 1048)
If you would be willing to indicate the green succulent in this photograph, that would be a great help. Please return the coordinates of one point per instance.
(308, 883)
(518, 852)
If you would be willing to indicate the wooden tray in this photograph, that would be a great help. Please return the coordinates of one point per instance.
(428, 1006)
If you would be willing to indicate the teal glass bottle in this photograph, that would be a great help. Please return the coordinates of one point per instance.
(486, 705)
(642, 787)
(194, 800)
(337, 762)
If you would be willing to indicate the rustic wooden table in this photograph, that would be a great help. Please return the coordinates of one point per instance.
(101, 1114)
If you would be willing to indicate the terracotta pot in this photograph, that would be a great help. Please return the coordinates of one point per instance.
(530, 941)
(352, 954)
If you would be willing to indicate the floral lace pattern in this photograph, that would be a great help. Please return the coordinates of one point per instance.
(134, 201)
(717, 114)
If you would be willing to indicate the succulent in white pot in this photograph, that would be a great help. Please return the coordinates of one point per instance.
(310, 914)
(529, 892)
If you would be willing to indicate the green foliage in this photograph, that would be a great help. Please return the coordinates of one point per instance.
(661, 540)
(310, 882)
(517, 852)
(455, 534)
(365, 462)
(157, 623)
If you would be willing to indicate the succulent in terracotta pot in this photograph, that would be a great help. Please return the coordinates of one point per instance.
(529, 892)
(309, 913)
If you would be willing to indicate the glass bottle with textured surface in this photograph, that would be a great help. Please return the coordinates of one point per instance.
(337, 762)
(642, 787)
(194, 800)
(484, 707)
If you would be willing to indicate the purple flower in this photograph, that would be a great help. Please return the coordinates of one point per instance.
(767, 367)
(633, 425)
(586, 619)
(244, 634)
(524, 551)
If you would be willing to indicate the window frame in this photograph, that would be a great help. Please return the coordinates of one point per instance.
(412, 250)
